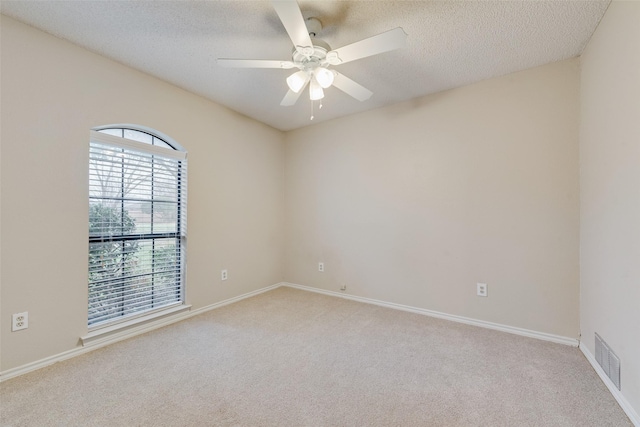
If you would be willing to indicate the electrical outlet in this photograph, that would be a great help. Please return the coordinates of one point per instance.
(224, 275)
(20, 321)
(482, 289)
(321, 267)
(343, 288)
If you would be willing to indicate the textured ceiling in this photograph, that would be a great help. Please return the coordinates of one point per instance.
(450, 44)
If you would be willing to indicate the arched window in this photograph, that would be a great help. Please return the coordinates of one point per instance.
(137, 224)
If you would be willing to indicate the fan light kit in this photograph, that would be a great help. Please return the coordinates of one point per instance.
(313, 57)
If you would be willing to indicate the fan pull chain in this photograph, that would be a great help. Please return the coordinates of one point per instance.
(319, 108)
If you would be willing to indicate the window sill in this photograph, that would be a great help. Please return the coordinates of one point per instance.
(135, 326)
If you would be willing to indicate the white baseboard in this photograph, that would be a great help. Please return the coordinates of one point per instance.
(617, 394)
(474, 322)
(98, 343)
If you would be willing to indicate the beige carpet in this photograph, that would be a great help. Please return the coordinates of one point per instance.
(295, 358)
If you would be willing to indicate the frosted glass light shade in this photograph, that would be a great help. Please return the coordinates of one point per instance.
(315, 90)
(324, 77)
(297, 80)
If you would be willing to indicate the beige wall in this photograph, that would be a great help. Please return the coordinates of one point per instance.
(53, 93)
(415, 203)
(610, 195)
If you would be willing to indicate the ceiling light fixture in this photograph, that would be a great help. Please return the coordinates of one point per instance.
(315, 90)
(324, 77)
(297, 80)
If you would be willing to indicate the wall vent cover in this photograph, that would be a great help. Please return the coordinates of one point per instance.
(598, 349)
(614, 369)
(608, 360)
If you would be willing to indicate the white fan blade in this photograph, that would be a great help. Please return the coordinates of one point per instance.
(292, 97)
(384, 42)
(291, 17)
(350, 87)
(254, 63)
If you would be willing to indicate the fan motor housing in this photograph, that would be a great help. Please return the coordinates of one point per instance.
(320, 49)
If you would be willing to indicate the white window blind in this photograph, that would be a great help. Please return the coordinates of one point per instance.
(137, 225)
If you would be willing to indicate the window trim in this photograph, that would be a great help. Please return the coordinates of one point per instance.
(109, 327)
(153, 132)
(135, 324)
(130, 144)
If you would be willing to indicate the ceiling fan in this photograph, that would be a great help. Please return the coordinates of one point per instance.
(313, 57)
